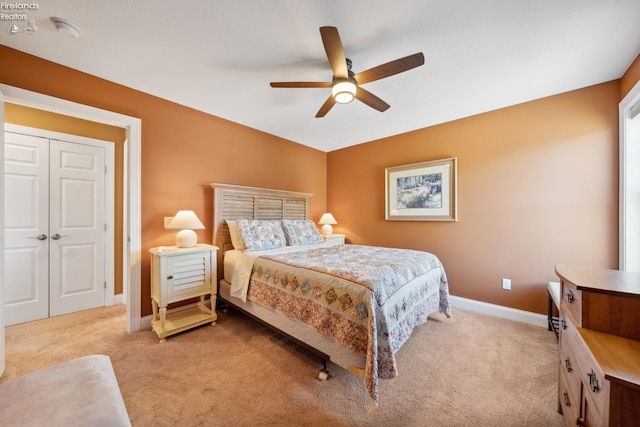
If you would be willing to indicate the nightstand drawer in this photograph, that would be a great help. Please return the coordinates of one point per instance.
(189, 276)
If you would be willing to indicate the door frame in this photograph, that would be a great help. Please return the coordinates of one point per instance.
(2, 345)
(109, 193)
(629, 244)
(132, 241)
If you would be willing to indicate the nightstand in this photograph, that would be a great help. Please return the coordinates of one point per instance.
(178, 274)
(338, 238)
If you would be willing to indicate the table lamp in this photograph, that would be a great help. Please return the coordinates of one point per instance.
(327, 221)
(186, 222)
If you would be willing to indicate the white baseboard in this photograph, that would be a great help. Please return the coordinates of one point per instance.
(499, 311)
(118, 299)
(145, 322)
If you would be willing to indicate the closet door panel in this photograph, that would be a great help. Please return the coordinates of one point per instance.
(26, 256)
(77, 225)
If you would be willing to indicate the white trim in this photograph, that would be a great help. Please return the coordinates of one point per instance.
(630, 101)
(118, 299)
(499, 311)
(634, 110)
(131, 202)
(2, 340)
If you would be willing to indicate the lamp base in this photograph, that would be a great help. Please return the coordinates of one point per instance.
(186, 238)
(327, 229)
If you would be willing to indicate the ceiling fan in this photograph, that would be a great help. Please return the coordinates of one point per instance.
(345, 85)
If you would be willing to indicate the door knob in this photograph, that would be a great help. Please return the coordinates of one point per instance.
(40, 237)
(58, 237)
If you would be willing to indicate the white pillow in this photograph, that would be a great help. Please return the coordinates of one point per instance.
(234, 233)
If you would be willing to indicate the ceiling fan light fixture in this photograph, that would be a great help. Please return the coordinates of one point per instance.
(343, 90)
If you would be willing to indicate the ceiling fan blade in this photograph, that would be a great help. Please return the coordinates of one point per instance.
(300, 84)
(335, 52)
(390, 68)
(371, 100)
(328, 104)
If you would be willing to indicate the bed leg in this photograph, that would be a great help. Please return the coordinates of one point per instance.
(323, 375)
(222, 306)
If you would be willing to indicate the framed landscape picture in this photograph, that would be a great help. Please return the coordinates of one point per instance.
(422, 191)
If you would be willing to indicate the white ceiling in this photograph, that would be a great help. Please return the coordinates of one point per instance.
(219, 56)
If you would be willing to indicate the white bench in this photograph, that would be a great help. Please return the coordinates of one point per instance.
(80, 392)
(553, 306)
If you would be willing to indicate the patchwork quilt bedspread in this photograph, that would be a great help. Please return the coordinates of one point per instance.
(366, 298)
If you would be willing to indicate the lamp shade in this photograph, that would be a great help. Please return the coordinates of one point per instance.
(327, 220)
(186, 222)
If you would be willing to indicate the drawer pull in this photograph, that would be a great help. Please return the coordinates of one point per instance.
(570, 297)
(567, 402)
(564, 323)
(170, 277)
(593, 382)
(567, 365)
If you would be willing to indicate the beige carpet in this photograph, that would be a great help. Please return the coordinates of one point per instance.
(470, 370)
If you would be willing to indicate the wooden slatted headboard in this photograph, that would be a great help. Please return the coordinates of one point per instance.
(240, 202)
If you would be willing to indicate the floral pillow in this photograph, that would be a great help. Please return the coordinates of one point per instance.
(301, 232)
(259, 235)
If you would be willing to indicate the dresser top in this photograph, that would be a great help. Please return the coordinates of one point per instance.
(601, 279)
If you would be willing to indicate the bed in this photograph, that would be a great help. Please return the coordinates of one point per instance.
(278, 269)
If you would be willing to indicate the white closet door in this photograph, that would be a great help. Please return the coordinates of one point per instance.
(54, 227)
(77, 227)
(26, 257)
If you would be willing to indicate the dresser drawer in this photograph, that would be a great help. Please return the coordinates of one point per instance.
(595, 387)
(567, 330)
(568, 366)
(572, 299)
(569, 401)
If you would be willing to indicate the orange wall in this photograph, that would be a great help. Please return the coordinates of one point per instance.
(630, 77)
(537, 185)
(183, 150)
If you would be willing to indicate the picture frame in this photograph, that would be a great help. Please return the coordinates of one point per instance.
(425, 191)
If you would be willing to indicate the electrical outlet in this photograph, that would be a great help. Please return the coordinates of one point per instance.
(506, 284)
(167, 220)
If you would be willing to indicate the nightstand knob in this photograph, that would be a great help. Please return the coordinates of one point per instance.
(570, 297)
(170, 277)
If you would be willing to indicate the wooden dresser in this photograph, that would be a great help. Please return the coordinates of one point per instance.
(599, 379)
